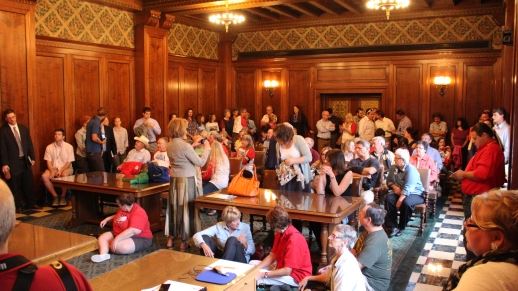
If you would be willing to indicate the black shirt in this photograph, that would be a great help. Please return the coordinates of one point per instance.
(339, 178)
(357, 165)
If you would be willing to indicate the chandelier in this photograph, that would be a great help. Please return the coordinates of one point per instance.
(226, 18)
(387, 5)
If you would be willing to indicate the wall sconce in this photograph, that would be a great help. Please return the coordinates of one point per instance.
(441, 82)
(269, 85)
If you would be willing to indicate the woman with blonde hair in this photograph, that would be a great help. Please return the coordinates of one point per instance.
(229, 239)
(182, 190)
(492, 235)
(215, 176)
(348, 150)
(349, 128)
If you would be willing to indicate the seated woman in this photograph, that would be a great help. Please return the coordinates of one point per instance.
(344, 271)
(216, 173)
(421, 160)
(289, 261)
(493, 237)
(334, 178)
(130, 231)
(229, 239)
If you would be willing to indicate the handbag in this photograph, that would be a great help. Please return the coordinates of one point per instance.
(285, 173)
(157, 174)
(242, 186)
(130, 168)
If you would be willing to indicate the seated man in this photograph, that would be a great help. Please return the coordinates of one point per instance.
(131, 231)
(59, 156)
(139, 153)
(344, 272)
(290, 253)
(405, 192)
(229, 239)
(18, 273)
(366, 165)
(373, 248)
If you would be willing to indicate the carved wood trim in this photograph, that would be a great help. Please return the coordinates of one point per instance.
(130, 5)
(49, 42)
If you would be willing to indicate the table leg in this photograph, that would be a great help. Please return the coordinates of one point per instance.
(74, 221)
(153, 209)
(323, 239)
(197, 219)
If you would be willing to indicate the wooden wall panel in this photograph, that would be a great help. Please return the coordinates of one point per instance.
(478, 85)
(173, 90)
(299, 93)
(157, 59)
(49, 102)
(86, 86)
(445, 105)
(190, 89)
(208, 93)
(408, 82)
(266, 99)
(246, 90)
(353, 73)
(118, 101)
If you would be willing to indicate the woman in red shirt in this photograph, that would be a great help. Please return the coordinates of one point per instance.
(131, 232)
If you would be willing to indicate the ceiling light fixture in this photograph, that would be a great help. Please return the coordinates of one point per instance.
(387, 5)
(226, 18)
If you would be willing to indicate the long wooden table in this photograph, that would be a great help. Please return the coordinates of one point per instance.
(43, 245)
(157, 267)
(89, 188)
(328, 210)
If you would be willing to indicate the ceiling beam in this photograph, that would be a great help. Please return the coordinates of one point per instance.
(348, 6)
(302, 10)
(279, 11)
(323, 7)
(262, 14)
(198, 6)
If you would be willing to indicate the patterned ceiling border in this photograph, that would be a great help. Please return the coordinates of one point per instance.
(189, 41)
(84, 22)
(398, 32)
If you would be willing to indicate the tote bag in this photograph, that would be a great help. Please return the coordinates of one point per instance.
(242, 186)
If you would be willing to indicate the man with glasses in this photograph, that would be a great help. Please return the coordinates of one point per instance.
(485, 171)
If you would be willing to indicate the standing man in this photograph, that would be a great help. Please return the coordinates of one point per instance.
(17, 155)
(367, 127)
(324, 129)
(148, 127)
(337, 121)
(95, 141)
(404, 122)
(485, 170)
(59, 156)
(385, 123)
(503, 130)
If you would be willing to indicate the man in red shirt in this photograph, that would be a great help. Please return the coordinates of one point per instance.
(131, 231)
(485, 170)
(18, 273)
(290, 251)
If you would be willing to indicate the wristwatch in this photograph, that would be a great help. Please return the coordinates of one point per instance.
(266, 275)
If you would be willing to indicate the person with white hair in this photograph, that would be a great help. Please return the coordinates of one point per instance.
(405, 192)
(384, 156)
(315, 156)
(19, 273)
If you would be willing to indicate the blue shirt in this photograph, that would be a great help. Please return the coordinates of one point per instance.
(436, 156)
(93, 126)
(407, 179)
(221, 233)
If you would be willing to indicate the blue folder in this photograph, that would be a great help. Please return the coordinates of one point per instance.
(211, 276)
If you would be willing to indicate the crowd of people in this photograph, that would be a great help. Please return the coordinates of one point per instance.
(197, 150)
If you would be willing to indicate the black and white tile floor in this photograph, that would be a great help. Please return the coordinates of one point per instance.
(27, 215)
(443, 252)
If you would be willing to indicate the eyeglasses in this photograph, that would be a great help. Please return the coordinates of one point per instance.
(334, 236)
(472, 224)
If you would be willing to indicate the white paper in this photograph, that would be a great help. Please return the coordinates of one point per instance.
(231, 267)
(221, 196)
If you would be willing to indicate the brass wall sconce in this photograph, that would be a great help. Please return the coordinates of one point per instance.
(269, 85)
(442, 82)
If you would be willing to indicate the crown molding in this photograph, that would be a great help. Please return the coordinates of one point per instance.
(130, 5)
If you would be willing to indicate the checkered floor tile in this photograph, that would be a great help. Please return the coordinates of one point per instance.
(28, 215)
(444, 251)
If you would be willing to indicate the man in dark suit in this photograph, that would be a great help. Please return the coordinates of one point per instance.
(109, 148)
(17, 157)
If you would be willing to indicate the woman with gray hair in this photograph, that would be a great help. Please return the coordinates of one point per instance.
(344, 271)
(492, 235)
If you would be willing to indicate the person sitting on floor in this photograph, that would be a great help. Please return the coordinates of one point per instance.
(18, 273)
(131, 231)
(405, 192)
(229, 239)
(344, 272)
(59, 156)
(139, 153)
(290, 253)
(373, 249)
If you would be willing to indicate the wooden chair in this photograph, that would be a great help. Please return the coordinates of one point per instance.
(235, 166)
(421, 209)
(378, 188)
(259, 160)
(356, 185)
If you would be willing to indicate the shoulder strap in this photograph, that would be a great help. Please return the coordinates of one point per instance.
(64, 275)
(25, 275)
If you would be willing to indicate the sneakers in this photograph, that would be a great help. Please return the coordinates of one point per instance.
(55, 202)
(100, 258)
(62, 201)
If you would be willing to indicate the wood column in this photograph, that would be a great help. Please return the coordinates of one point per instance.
(513, 175)
(151, 62)
(226, 88)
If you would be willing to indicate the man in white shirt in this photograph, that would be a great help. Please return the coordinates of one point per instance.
(269, 119)
(59, 156)
(324, 129)
(151, 128)
(385, 123)
(438, 128)
(367, 127)
(404, 122)
(139, 153)
(503, 131)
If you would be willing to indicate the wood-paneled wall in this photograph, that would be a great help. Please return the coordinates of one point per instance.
(404, 81)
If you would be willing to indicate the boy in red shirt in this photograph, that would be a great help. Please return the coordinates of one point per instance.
(131, 231)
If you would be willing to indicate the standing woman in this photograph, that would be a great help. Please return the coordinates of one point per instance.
(349, 128)
(299, 121)
(227, 123)
(121, 140)
(212, 123)
(192, 125)
(293, 151)
(459, 140)
(182, 191)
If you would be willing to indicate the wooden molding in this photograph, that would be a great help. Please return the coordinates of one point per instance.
(148, 18)
(130, 5)
(50, 42)
(166, 21)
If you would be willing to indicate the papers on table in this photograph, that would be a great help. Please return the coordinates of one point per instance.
(230, 267)
(171, 285)
(221, 196)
